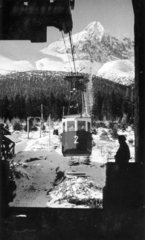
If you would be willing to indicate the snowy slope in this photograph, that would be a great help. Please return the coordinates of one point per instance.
(48, 64)
(84, 66)
(8, 65)
(19, 50)
(120, 71)
(39, 162)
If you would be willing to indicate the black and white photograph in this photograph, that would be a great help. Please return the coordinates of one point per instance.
(72, 119)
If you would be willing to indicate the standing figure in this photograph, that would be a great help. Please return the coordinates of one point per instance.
(123, 153)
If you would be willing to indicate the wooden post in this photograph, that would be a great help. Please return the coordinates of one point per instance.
(28, 127)
(42, 116)
(1, 192)
(139, 12)
(1, 126)
(49, 127)
(63, 111)
(40, 127)
(41, 120)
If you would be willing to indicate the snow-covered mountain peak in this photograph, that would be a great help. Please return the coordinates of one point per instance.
(95, 29)
(94, 44)
(90, 26)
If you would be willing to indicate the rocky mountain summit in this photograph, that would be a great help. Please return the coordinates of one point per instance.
(94, 43)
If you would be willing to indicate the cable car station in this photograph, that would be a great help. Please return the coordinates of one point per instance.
(77, 141)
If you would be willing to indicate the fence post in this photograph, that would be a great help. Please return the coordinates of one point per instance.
(1, 126)
(28, 127)
(1, 192)
(42, 116)
(40, 126)
(49, 127)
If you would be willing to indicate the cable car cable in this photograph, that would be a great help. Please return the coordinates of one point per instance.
(70, 96)
(70, 38)
(78, 103)
(83, 97)
(70, 66)
(69, 102)
(66, 49)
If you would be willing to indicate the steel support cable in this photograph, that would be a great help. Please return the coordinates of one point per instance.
(78, 102)
(70, 67)
(66, 49)
(82, 96)
(85, 102)
(69, 61)
(70, 38)
(69, 103)
(83, 105)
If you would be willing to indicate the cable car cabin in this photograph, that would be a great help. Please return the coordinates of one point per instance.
(76, 136)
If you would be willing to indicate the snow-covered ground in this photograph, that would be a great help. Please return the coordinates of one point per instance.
(39, 168)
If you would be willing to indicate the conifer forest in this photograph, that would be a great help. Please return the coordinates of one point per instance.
(21, 95)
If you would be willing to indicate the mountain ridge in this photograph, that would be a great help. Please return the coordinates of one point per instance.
(95, 52)
(93, 43)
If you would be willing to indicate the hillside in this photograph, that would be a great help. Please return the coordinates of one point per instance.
(119, 71)
(22, 93)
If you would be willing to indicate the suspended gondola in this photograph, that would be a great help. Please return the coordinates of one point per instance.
(76, 128)
(76, 136)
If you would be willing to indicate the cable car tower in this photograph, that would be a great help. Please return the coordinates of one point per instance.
(76, 128)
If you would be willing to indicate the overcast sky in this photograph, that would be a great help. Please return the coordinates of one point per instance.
(116, 16)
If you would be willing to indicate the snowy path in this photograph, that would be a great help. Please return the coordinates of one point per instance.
(20, 146)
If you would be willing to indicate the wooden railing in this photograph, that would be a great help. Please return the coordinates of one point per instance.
(7, 146)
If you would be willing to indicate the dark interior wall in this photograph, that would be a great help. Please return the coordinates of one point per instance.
(28, 20)
(125, 185)
(139, 30)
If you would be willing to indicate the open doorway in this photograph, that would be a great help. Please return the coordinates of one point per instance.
(33, 73)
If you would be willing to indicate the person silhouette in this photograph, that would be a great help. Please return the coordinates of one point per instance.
(123, 153)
